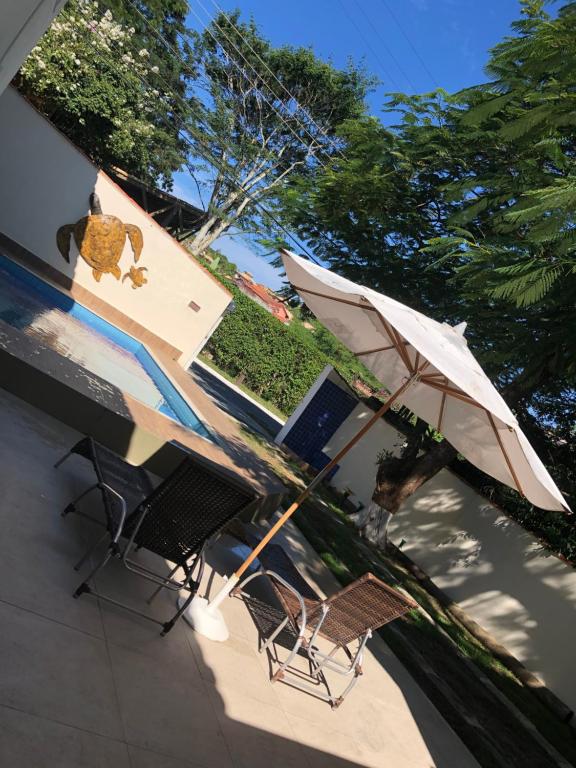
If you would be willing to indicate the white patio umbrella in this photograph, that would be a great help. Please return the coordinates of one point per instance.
(428, 367)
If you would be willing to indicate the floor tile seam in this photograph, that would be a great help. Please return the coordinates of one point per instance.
(112, 674)
(155, 660)
(158, 752)
(53, 620)
(123, 742)
(99, 735)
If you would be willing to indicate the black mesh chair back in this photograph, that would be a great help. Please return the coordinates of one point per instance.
(175, 521)
(185, 510)
(132, 482)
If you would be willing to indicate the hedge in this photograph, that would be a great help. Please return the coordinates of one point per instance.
(265, 355)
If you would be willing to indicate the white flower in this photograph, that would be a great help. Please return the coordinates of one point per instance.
(108, 15)
(154, 69)
(131, 31)
(155, 92)
(77, 62)
(41, 64)
(143, 53)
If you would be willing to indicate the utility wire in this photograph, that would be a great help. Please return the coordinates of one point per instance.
(176, 55)
(245, 74)
(252, 67)
(385, 44)
(368, 44)
(280, 83)
(411, 44)
(211, 159)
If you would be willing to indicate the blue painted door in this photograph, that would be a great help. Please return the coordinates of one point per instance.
(327, 410)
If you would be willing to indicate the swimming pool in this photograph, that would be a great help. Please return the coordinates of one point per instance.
(57, 321)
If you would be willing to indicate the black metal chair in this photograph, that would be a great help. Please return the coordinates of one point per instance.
(175, 520)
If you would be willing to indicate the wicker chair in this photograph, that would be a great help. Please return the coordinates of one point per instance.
(346, 619)
(174, 521)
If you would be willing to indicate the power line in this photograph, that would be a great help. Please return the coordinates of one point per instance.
(210, 158)
(240, 69)
(385, 44)
(243, 57)
(368, 44)
(176, 55)
(280, 83)
(410, 43)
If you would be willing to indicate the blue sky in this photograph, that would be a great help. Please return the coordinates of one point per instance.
(451, 38)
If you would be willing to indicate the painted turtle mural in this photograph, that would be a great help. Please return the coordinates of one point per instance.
(100, 239)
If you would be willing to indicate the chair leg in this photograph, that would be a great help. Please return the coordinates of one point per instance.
(85, 586)
(91, 551)
(193, 590)
(199, 558)
(63, 459)
(279, 674)
(72, 506)
(167, 626)
(335, 703)
(274, 635)
(160, 587)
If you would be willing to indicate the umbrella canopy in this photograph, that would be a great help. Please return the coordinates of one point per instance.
(448, 388)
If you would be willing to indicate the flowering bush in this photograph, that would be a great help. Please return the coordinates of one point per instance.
(92, 77)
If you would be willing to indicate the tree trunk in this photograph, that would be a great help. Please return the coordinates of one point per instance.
(398, 478)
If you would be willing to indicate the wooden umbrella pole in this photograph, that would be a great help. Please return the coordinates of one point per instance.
(322, 474)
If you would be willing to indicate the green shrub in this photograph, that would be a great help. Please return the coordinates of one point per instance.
(270, 358)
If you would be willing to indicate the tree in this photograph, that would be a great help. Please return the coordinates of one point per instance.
(464, 210)
(104, 83)
(517, 196)
(267, 114)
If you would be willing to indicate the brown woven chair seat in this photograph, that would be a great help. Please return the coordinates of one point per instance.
(350, 615)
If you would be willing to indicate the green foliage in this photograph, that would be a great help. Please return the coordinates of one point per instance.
(338, 355)
(257, 142)
(517, 191)
(103, 83)
(465, 210)
(278, 362)
(272, 361)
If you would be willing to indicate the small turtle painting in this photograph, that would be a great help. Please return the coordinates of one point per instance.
(136, 274)
(100, 240)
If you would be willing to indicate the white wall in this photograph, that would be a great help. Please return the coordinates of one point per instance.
(22, 23)
(46, 182)
(358, 468)
(498, 572)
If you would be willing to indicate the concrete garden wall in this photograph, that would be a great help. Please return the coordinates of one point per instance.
(46, 182)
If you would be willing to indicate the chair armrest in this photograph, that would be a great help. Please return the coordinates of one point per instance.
(274, 576)
(118, 531)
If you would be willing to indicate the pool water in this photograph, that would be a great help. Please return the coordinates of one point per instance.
(60, 323)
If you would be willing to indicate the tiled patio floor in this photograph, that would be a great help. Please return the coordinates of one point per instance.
(83, 685)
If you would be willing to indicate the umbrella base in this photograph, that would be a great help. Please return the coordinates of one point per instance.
(208, 621)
